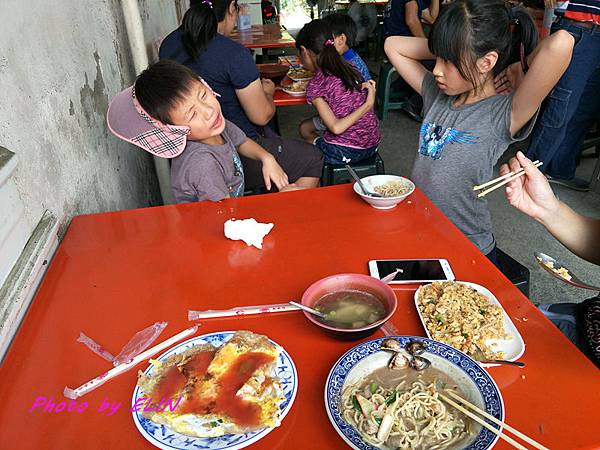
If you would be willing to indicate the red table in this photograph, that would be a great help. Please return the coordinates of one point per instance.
(281, 98)
(264, 36)
(117, 273)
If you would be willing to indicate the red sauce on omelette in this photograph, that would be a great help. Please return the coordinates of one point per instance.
(226, 402)
(175, 378)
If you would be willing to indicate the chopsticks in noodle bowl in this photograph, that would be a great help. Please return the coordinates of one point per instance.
(492, 419)
(504, 179)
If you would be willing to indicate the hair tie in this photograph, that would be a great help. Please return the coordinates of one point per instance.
(329, 42)
(207, 2)
(512, 18)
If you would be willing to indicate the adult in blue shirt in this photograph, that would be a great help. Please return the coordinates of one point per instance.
(201, 43)
(403, 17)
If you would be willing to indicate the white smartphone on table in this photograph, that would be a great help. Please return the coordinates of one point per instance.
(412, 270)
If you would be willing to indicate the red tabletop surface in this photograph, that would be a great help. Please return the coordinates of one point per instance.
(117, 273)
(281, 98)
(264, 36)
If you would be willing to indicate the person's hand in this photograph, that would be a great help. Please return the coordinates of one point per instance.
(268, 86)
(370, 87)
(272, 171)
(509, 79)
(530, 193)
(550, 3)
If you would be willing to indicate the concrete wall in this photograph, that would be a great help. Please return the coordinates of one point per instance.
(60, 63)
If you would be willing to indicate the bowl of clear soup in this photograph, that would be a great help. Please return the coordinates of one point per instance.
(354, 305)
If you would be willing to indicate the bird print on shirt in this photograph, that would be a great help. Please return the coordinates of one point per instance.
(434, 138)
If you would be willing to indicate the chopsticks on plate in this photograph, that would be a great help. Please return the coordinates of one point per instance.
(491, 419)
(501, 181)
(241, 311)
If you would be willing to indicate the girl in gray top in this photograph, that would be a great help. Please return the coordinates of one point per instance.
(466, 125)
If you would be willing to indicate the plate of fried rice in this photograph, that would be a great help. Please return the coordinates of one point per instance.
(470, 318)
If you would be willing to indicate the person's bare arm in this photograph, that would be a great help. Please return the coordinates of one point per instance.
(271, 169)
(412, 19)
(405, 54)
(339, 125)
(546, 65)
(431, 14)
(256, 102)
(532, 195)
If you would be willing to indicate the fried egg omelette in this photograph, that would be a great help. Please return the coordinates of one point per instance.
(226, 390)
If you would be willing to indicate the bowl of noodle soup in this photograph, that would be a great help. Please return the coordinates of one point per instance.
(394, 189)
(421, 420)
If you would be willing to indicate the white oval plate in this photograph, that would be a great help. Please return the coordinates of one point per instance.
(300, 79)
(512, 348)
(294, 93)
(163, 437)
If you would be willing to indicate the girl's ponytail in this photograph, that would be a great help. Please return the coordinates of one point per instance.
(198, 27)
(332, 63)
(200, 23)
(317, 37)
(524, 35)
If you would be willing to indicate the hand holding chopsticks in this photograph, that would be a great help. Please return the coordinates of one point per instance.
(501, 181)
(491, 419)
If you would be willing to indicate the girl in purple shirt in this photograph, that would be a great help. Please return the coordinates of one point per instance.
(343, 101)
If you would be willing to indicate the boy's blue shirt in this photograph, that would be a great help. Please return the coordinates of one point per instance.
(353, 58)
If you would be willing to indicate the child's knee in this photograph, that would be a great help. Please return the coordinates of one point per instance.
(306, 129)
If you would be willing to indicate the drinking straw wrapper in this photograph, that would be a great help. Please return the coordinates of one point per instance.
(137, 344)
(126, 366)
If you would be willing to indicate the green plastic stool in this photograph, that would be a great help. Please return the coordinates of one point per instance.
(385, 100)
(338, 174)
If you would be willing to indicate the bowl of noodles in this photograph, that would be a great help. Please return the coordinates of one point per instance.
(392, 188)
(363, 395)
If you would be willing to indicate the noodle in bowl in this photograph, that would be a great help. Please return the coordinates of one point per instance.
(421, 420)
(394, 189)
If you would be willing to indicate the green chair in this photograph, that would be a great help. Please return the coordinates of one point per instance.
(338, 174)
(385, 99)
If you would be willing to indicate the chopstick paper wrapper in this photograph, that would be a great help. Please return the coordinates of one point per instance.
(122, 368)
(137, 344)
(241, 311)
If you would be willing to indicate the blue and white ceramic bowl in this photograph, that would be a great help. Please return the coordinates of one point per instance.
(475, 383)
(167, 439)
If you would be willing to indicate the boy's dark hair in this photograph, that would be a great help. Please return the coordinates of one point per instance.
(466, 30)
(313, 36)
(200, 22)
(162, 86)
(342, 24)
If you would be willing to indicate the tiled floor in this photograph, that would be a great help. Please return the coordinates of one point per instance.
(517, 234)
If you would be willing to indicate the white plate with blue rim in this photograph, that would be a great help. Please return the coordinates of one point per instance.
(163, 437)
(475, 383)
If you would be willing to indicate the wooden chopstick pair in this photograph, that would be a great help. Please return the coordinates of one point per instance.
(491, 419)
(504, 179)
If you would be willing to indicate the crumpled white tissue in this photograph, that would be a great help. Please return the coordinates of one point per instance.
(248, 230)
